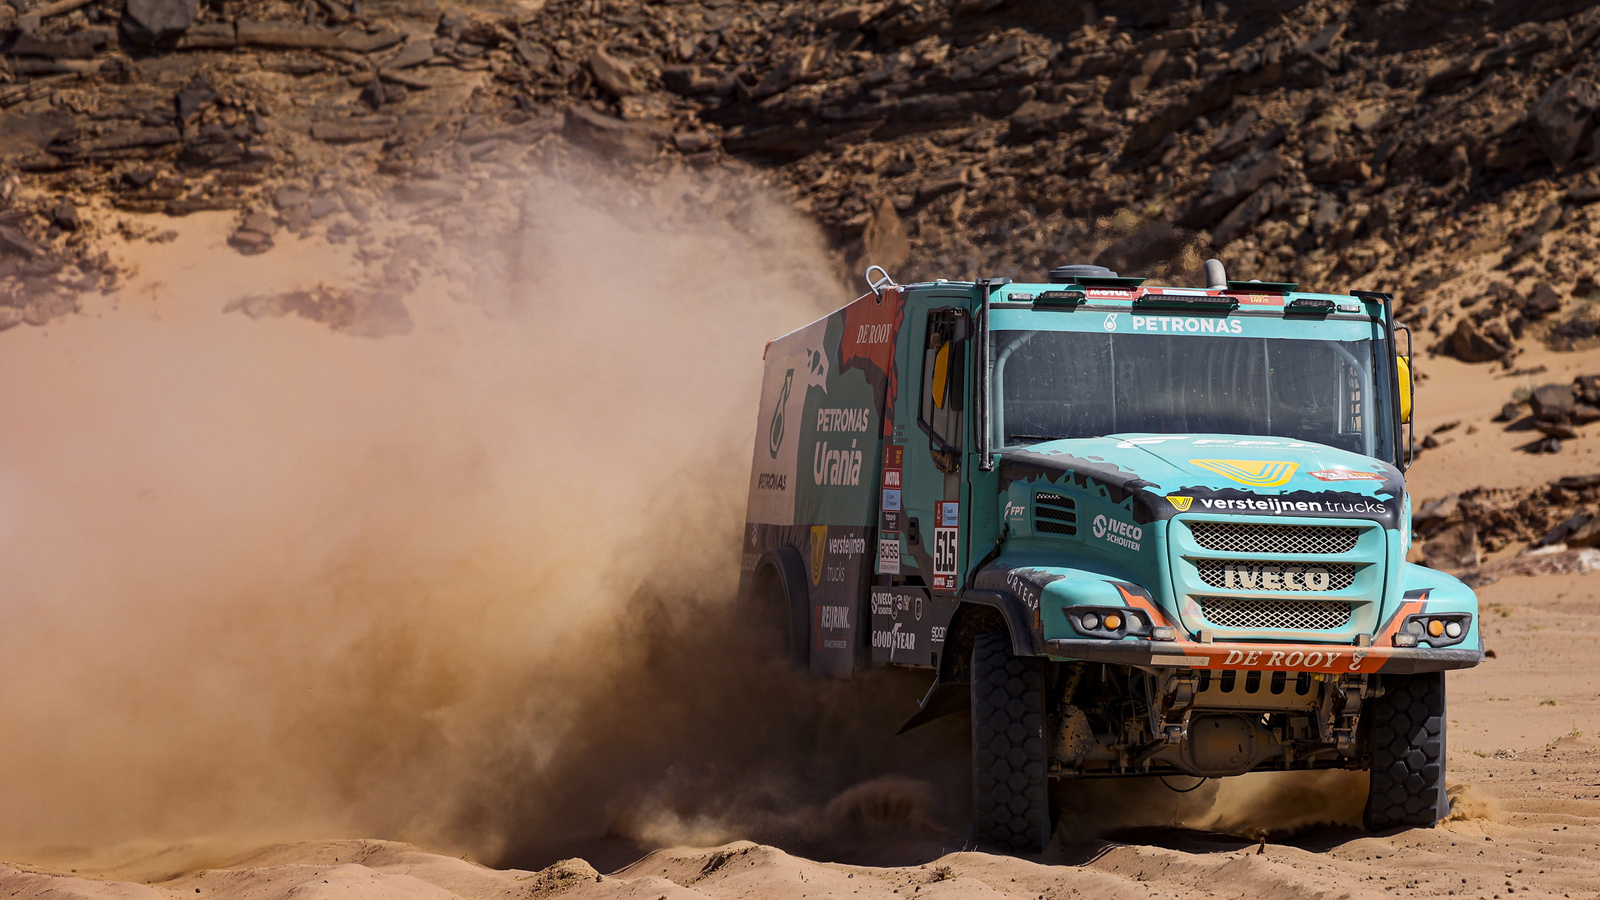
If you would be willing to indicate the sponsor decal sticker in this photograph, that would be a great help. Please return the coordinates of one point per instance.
(859, 419)
(847, 546)
(891, 478)
(819, 551)
(1111, 321)
(1345, 475)
(1254, 472)
(891, 499)
(1015, 510)
(1181, 504)
(889, 556)
(891, 523)
(775, 429)
(1109, 294)
(937, 633)
(1259, 299)
(894, 639)
(1190, 324)
(1115, 531)
(835, 467)
(1294, 659)
(882, 603)
(834, 618)
(1275, 506)
(949, 514)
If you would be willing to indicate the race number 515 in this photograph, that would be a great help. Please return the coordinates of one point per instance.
(944, 551)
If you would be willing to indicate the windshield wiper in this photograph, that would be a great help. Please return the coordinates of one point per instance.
(1036, 437)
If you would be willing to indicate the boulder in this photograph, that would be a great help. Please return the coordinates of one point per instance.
(1562, 116)
(1560, 533)
(154, 21)
(1553, 402)
(1562, 430)
(1469, 344)
(1455, 547)
(614, 75)
(1587, 388)
(1544, 301)
(611, 135)
(1585, 535)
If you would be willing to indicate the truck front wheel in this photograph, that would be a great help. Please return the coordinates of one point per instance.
(1010, 772)
(1408, 739)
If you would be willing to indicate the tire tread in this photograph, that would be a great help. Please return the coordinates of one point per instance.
(1011, 806)
(1408, 754)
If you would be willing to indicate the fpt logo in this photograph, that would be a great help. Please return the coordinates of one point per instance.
(1254, 472)
(775, 430)
(819, 551)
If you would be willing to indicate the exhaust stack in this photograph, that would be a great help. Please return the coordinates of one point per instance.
(1216, 275)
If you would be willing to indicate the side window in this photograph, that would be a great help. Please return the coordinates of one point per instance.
(944, 364)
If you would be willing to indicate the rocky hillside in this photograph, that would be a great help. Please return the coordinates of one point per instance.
(1415, 145)
(1442, 149)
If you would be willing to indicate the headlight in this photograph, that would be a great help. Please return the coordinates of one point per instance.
(1434, 630)
(1112, 623)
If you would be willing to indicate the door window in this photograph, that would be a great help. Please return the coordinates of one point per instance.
(944, 359)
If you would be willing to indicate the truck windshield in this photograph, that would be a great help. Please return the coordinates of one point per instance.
(1063, 384)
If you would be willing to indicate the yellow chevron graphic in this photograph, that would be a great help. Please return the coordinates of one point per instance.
(1254, 472)
(1180, 503)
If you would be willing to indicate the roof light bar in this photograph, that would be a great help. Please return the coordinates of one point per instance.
(1308, 306)
(1197, 300)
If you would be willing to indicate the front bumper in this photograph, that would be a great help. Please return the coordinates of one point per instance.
(1332, 659)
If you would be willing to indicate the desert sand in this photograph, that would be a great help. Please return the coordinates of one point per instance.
(1523, 768)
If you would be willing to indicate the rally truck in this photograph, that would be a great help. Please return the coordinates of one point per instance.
(1138, 531)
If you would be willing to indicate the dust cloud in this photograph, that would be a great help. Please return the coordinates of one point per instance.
(265, 581)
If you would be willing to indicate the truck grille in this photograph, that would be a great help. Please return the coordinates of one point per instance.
(1248, 572)
(1302, 615)
(1250, 537)
(1055, 514)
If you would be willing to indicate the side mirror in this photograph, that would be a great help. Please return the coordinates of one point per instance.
(1402, 370)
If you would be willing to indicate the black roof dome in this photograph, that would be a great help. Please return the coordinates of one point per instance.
(1068, 274)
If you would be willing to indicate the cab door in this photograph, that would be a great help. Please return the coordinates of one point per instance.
(941, 358)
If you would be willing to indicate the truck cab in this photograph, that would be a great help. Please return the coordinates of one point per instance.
(1136, 530)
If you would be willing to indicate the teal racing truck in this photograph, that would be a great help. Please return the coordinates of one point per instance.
(1137, 530)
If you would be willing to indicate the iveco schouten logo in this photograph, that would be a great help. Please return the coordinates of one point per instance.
(775, 430)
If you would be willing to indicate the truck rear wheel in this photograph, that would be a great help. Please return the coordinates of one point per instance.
(1010, 772)
(1408, 740)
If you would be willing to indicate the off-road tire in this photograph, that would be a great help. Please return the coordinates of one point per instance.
(1408, 739)
(1010, 765)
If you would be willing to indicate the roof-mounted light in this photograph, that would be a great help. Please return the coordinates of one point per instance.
(1308, 306)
